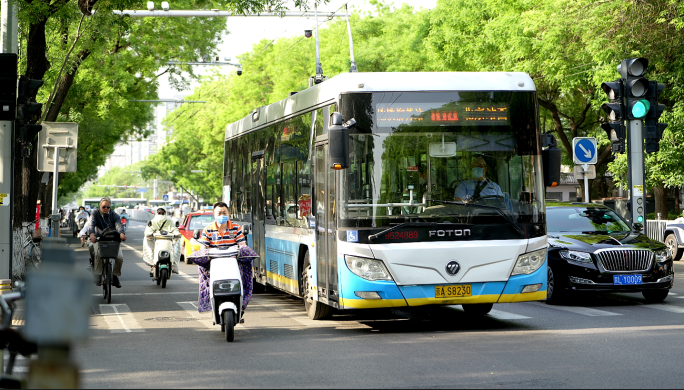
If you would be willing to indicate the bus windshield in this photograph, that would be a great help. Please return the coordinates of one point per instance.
(444, 157)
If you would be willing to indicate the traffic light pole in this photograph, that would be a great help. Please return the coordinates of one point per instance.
(635, 162)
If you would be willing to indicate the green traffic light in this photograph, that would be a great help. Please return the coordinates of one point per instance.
(640, 108)
(640, 219)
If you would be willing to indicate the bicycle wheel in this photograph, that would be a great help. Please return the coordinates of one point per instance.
(103, 280)
(109, 281)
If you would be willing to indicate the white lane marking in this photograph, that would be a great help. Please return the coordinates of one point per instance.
(205, 318)
(155, 293)
(585, 311)
(133, 249)
(120, 319)
(663, 307)
(504, 315)
(672, 294)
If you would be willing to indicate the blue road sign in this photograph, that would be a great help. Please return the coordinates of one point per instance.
(165, 198)
(584, 150)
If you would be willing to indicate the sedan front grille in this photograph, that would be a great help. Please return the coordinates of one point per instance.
(625, 260)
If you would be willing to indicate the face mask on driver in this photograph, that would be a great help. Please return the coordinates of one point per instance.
(478, 172)
(221, 219)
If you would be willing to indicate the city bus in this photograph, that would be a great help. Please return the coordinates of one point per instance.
(387, 225)
(117, 203)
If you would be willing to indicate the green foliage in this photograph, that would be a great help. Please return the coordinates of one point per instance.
(568, 47)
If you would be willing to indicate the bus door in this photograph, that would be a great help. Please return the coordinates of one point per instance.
(326, 252)
(258, 209)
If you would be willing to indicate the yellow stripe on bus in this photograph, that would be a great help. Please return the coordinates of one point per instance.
(488, 298)
(371, 303)
(527, 297)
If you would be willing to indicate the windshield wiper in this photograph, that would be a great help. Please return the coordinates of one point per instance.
(498, 210)
(401, 225)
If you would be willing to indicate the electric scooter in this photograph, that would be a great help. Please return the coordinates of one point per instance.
(165, 254)
(226, 290)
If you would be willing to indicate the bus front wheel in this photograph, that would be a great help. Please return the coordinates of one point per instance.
(314, 309)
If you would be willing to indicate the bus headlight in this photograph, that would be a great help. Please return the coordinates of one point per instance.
(529, 262)
(369, 269)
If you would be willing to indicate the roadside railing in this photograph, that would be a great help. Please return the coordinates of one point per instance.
(655, 230)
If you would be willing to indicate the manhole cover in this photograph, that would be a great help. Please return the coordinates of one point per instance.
(171, 319)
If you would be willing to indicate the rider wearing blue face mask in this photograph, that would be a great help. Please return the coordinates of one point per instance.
(480, 186)
(223, 233)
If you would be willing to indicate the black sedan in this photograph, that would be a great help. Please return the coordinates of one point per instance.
(591, 248)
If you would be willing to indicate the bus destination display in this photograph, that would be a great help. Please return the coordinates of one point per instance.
(441, 114)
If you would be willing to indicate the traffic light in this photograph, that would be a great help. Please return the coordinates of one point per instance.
(8, 86)
(615, 109)
(632, 71)
(28, 112)
(653, 129)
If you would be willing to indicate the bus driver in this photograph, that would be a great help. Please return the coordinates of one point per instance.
(480, 186)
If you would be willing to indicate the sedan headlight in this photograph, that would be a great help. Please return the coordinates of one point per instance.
(227, 286)
(580, 257)
(662, 256)
(529, 262)
(369, 269)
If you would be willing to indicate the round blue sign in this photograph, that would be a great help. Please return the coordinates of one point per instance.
(585, 151)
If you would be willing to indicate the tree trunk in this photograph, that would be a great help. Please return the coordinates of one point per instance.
(660, 195)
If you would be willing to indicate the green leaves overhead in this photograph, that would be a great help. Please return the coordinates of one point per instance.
(568, 47)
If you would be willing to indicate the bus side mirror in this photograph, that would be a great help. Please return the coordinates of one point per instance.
(196, 234)
(338, 135)
(551, 157)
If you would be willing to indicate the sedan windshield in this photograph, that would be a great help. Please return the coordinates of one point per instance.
(568, 219)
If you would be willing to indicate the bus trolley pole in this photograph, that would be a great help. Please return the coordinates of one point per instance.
(56, 216)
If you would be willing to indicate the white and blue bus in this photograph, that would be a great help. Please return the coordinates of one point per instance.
(393, 225)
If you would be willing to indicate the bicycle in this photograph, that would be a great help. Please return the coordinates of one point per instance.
(107, 250)
(12, 340)
(30, 244)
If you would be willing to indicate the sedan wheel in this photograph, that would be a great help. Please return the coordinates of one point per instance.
(554, 293)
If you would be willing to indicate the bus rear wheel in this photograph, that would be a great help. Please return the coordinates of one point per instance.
(478, 309)
(314, 309)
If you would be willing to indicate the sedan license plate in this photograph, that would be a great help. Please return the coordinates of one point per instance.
(626, 280)
(460, 290)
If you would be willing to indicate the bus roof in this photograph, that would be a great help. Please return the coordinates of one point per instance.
(328, 91)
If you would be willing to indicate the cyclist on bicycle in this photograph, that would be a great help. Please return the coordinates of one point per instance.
(100, 219)
(81, 219)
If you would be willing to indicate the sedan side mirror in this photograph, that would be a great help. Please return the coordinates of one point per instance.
(196, 234)
(638, 227)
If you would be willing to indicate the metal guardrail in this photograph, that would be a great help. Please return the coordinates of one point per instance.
(655, 230)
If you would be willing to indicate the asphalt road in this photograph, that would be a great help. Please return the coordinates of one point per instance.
(154, 338)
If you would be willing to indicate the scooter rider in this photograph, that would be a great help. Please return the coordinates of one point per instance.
(220, 234)
(100, 219)
(160, 222)
(81, 219)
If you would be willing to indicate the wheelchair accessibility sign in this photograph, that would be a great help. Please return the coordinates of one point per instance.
(4, 200)
(352, 236)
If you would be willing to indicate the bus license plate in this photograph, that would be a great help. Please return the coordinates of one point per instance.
(625, 280)
(461, 290)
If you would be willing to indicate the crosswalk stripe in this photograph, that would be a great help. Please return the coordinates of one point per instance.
(664, 307)
(504, 315)
(585, 311)
(205, 318)
(120, 319)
